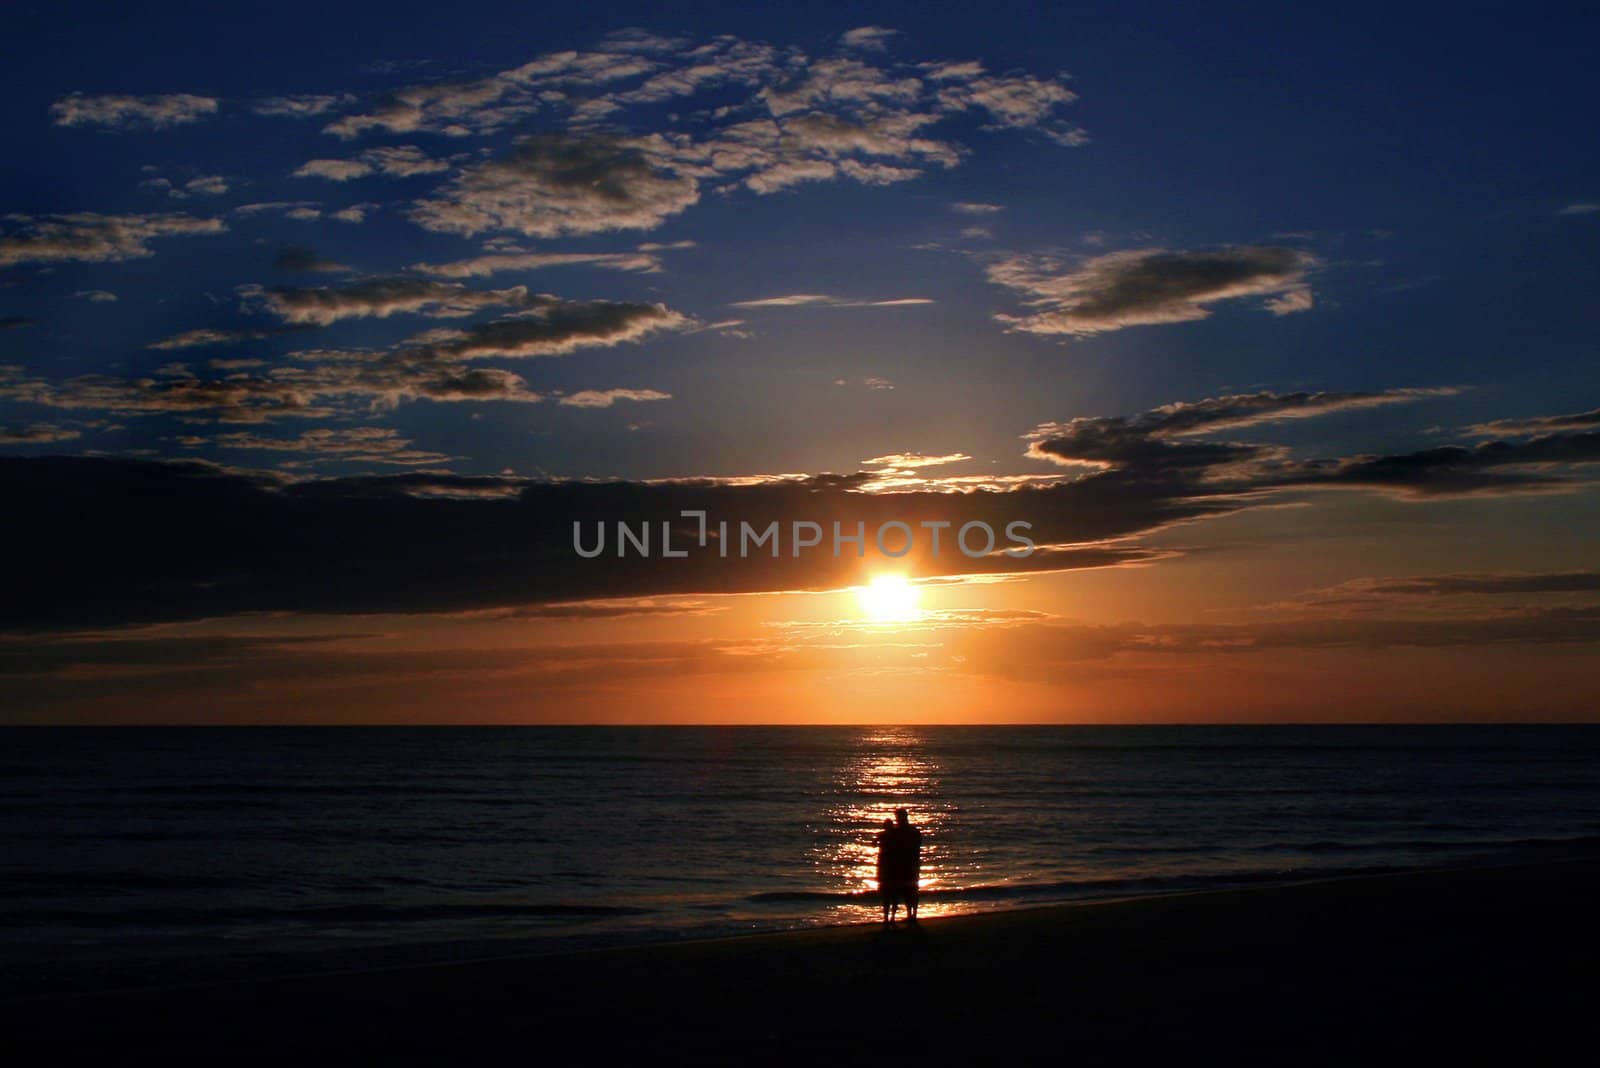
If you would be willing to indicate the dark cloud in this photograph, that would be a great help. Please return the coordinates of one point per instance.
(1158, 447)
(616, 609)
(1429, 590)
(140, 654)
(435, 542)
(195, 540)
(1145, 440)
(1501, 583)
(1147, 286)
(1492, 468)
(1252, 409)
(15, 322)
(303, 260)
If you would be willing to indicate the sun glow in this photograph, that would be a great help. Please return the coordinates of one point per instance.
(889, 599)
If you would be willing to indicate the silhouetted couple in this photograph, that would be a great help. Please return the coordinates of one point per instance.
(899, 865)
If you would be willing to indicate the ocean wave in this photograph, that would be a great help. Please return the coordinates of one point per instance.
(197, 918)
(1148, 884)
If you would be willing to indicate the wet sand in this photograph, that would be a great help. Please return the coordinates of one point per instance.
(1490, 961)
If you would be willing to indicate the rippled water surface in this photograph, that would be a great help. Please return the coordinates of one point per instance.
(138, 855)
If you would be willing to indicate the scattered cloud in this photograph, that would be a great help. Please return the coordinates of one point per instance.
(96, 296)
(1253, 409)
(235, 399)
(495, 262)
(303, 106)
(207, 185)
(355, 213)
(822, 300)
(554, 327)
(189, 339)
(378, 298)
(93, 238)
(320, 383)
(856, 116)
(298, 210)
(1582, 208)
(605, 398)
(37, 434)
(132, 112)
(867, 38)
(554, 185)
(392, 161)
(1147, 286)
(1291, 301)
(1541, 424)
(909, 460)
(366, 444)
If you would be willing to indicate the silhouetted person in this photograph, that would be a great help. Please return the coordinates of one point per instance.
(908, 861)
(887, 876)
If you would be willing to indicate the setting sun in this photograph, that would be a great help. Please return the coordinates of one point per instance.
(889, 599)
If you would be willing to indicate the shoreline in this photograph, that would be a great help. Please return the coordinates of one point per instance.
(1375, 958)
(200, 973)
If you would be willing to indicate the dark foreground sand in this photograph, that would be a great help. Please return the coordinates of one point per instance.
(1499, 962)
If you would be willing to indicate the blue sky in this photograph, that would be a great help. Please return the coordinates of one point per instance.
(1425, 165)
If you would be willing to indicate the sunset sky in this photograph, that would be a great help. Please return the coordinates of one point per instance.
(321, 326)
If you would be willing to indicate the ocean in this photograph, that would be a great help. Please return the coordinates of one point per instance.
(144, 856)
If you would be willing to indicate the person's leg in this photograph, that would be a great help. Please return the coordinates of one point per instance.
(911, 901)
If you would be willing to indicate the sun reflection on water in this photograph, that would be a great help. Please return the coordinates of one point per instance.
(891, 768)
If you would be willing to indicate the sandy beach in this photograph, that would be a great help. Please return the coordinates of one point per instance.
(1426, 963)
